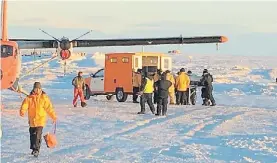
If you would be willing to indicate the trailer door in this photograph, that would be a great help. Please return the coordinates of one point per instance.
(137, 62)
(166, 63)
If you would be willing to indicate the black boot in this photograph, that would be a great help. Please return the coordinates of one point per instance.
(153, 111)
(203, 102)
(83, 104)
(35, 153)
(141, 112)
(158, 110)
(206, 102)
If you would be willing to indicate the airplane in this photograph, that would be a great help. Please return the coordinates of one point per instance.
(11, 58)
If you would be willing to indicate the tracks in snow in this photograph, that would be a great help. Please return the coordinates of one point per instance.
(194, 138)
(128, 130)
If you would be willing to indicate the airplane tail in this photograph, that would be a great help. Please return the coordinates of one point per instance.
(4, 29)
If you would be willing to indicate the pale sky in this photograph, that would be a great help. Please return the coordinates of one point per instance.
(142, 19)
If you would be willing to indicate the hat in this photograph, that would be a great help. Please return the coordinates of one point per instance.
(205, 71)
(189, 72)
(37, 85)
(79, 73)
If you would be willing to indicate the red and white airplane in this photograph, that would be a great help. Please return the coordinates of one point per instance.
(11, 59)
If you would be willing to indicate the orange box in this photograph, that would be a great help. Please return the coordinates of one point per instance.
(117, 76)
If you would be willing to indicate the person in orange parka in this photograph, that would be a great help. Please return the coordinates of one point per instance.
(38, 106)
(79, 85)
(171, 90)
(182, 84)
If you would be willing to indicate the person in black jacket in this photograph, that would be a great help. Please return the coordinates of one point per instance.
(207, 89)
(162, 87)
(192, 93)
(156, 77)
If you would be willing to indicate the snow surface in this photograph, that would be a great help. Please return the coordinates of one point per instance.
(242, 128)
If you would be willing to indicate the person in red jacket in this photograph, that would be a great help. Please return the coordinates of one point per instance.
(79, 85)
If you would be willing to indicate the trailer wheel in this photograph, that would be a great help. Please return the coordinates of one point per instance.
(109, 97)
(120, 95)
(86, 93)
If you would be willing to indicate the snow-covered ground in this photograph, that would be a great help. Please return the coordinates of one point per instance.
(241, 128)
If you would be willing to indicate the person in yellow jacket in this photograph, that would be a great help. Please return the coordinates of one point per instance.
(136, 84)
(38, 106)
(182, 84)
(171, 90)
(146, 92)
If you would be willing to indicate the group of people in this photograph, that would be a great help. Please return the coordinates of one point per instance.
(162, 85)
(155, 88)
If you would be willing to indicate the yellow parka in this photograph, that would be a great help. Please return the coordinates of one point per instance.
(38, 107)
(171, 78)
(182, 82)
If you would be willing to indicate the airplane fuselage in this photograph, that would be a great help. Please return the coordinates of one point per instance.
(10, 64)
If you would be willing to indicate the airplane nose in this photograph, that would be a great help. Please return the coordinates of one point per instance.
(65, 45)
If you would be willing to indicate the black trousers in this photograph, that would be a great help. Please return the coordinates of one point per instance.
(146, 97)
(35, 137)
(192, 96)
(156, 97)
(181, 98)
(135, 91)
(207, 94)
(162, 106)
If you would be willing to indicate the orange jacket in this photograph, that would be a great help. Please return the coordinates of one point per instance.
(170, 78)
(136, 79)
(38, 107)
(182, 82)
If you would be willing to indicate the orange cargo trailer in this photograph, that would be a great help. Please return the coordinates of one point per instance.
(117, 76)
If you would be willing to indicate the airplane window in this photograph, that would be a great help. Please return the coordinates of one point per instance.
(6, 51)
(99, 74)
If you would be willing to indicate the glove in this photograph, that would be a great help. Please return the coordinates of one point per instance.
(139, 93)
(21, 114)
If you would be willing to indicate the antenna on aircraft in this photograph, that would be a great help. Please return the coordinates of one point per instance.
(49, 35)
(64, 37)
(81, 35)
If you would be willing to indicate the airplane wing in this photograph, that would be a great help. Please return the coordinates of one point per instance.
(35, 43)
(150, 41)
(38, 43)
